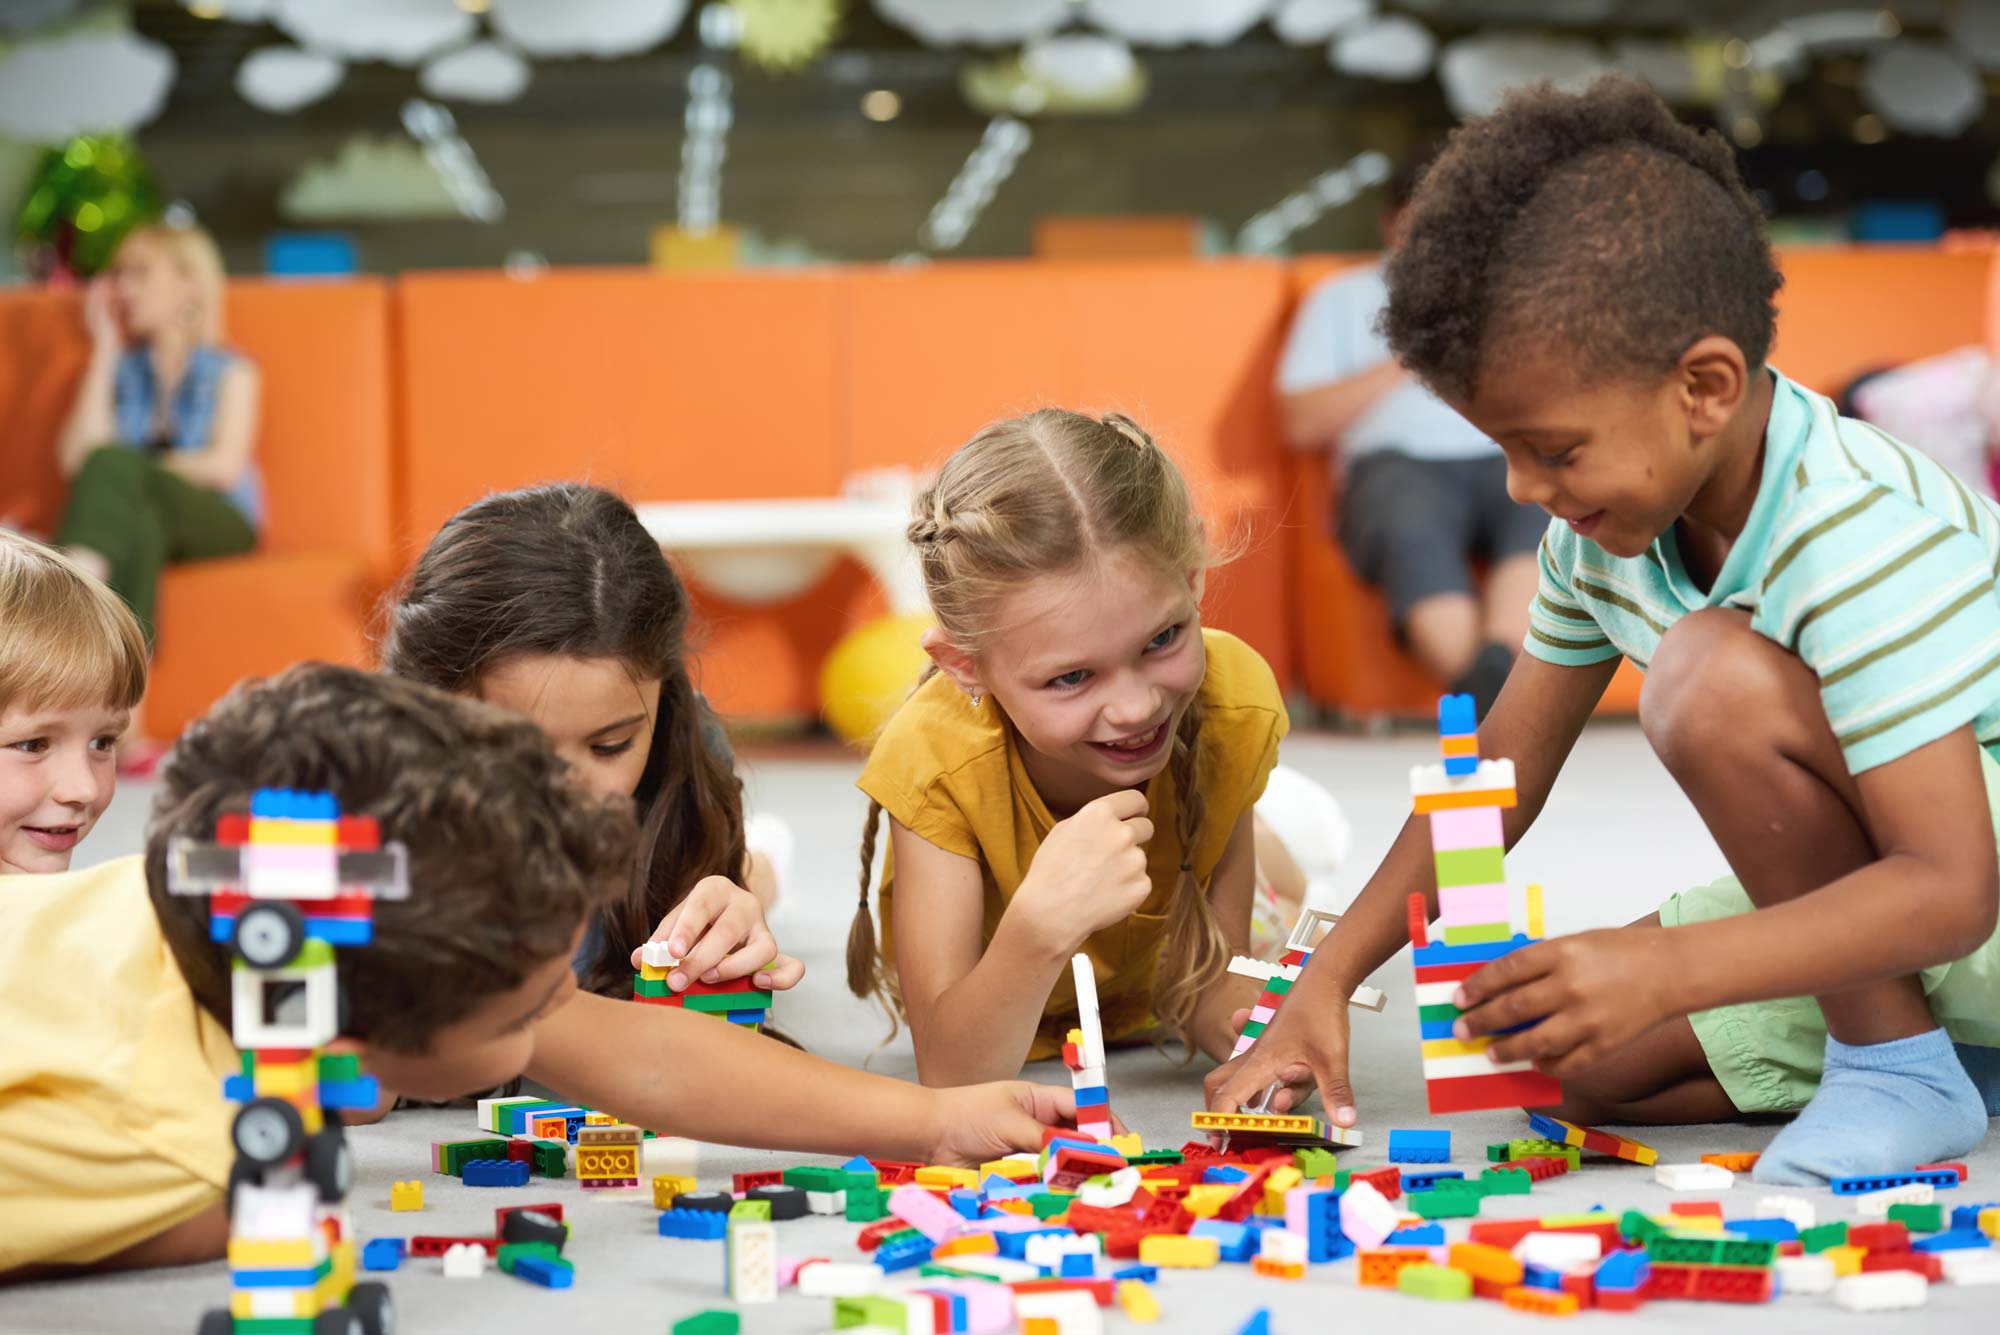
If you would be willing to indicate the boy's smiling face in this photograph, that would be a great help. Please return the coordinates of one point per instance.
(58, 769)
(1619, 460)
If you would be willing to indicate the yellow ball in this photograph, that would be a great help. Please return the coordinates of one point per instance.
(870, 672)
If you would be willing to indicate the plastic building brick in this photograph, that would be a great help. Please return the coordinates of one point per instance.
(531, 1223)
(1180, 1253)
(1884, 1291)
(406, 1195)
(495, 1173)
(551, 1272)
(1958, 1168)
(1506, 1180)
(1558, 1251)
(1924, 1218)
(1972, 1267)
(750, 1260)
(1952, 1240)
(1798, 1209)
(462, 1260)
(1693, 1177)
(1877, 1204)
(838, 1279)
(1419, 1146)
(607, 1157)
(1449, 1198)
(1138, 1301)
(1436, 1282)
(707, 1225)
(902, 1253)
(1378, 1267)
(1735, 1163)
(430, 1245)
(1926, 1264)
(1541, 1302)
(1856, 1186)
(1424, 1180)
(1593, 1140)
(512, 1252)
(1258, 1324)
(1366, 1217)
(383, 1253)
(715, 1321)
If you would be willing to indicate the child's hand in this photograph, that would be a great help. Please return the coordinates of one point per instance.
(980, 1122)
(1090, 872)
(1597, 990)
(1305, 1043)
(100, 314)
(718, 933)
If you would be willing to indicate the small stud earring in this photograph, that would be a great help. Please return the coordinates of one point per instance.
(976, 698)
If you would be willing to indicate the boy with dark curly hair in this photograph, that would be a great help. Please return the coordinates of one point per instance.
(1814, 603)
(117, 1001)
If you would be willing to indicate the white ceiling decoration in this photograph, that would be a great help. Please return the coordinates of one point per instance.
(1922, 87)
(1310, 22)
(975, 22)
(1176, 22)
(60, 87)
(1478, 71)
(284, 78)
(601, 28)
(1392, 47)
(482, 72)
(387, 177)
(401, 32)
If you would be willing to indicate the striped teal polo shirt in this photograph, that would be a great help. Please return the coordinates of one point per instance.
(1873, 564)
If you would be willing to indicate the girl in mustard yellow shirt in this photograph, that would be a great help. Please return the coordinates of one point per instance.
(1077, 772)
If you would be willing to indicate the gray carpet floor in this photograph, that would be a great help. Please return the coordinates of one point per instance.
(1616, 838)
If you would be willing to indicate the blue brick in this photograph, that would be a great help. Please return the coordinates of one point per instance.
(858, 1164)
(1541, 1277)
(1225, 1172)
(1324, 1240)
(1419, 1146)
(1763, 1230)
(1420, 1235)
(1145, 1274)
(1237, 1243)
(1957, 1240)
(1484, 953)
(383, 1253)
(495, 1173)
(967, 1203)
(1855, 1186)
(1429, 1030)
(1623, 1271)
(1078, 1265)
(1458, 715)
(892, 1257)
(550, 1274)
(1967, 1216)
(1258, 1324)
(1014, 1243)
(706, 1225)
(1423, 1179)
(1459, 766)
(1093, 1096)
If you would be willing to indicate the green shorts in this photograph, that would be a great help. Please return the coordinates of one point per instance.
(1768, 1054)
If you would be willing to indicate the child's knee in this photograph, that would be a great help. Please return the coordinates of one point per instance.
(1715, 681)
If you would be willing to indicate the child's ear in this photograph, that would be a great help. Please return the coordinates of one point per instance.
(1715, 380)
(1197, 582)
(953, 661)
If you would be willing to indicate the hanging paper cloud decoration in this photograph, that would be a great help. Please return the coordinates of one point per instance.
(1975, 25)
(284, 78)
(482, 72)
(54, 90)
(1477, 71)
(401, 32)
(1923, 88)
(1176, 22)
(1391, 47)
(975, 22)
(1309, 22)
(1666, 65)
(236, 11)
(369, 178)
(601, 28)
(1080, 64)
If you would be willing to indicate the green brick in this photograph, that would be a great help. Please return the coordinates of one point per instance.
(1496, 1153)
(650, 987)
(1253, 1028)
(1470, 866)
(1341, 1178)
(1748, 1252)
(1444, 1010)
(868, 1311)
(866, 1204)
(551, 1159)
(1918, 1218)
(275, 1325)
(1436, 1204)
(460, 1153)
(1639, 1228)
(511, 1252)
(1153, 1157)
(1277, 985)
(728, 1001)
(1822, 1236)
(751, 1210)
(1314, 1164)
(863, 1179)
(817, 1177)
(1545, 1149)
(1502, 1181)
(1047, 1203)
(1436, 1282)
(715, 1321)
(339, 1066)
(1480, 935)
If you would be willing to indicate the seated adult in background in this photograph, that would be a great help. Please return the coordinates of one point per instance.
(1423, 491)
(157, 447)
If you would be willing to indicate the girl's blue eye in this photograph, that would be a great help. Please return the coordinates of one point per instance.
(1165, 637)
(1069, 680)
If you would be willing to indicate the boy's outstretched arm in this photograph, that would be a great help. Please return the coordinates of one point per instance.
(1930, 897)
(670, 1071)
(1535, 723)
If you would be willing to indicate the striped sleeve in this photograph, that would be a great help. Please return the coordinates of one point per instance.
(1892, 607)
(1560, 631)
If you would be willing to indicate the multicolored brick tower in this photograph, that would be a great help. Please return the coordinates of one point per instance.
(738, 1001)
(1464, 797)
(1083, 1054)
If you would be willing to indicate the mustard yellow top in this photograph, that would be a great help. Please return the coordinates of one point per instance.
(954, 776)
(111, 1109)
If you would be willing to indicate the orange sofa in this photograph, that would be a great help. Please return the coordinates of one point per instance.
(1843, 310)
(325, 454)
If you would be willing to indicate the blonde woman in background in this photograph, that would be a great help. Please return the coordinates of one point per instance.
(158, 445)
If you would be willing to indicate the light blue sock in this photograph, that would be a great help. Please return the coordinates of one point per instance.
(1983, 1065)
(1882, 1108)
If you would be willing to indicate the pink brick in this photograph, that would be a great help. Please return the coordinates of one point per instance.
(924, 1212)
(1471, 905)
(1467, 827)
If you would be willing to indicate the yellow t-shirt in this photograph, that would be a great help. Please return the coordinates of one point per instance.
(954, 776)
(111, 1112)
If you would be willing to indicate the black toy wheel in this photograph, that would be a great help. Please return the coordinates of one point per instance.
(533, 1226)
(216, 1321)
(241, 1173)
(329, 1165)
(269, 934)
(375, 1307)
(337, 1321)
(268, 1131)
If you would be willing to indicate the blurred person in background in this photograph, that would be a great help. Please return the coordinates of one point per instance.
(1422, 491)
(1948, 406)
(158, 445)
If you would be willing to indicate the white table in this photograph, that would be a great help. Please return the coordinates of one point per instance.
(767, 551)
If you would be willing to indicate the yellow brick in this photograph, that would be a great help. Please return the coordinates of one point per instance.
(1989, 1222)
(1040, 1325)
(1129, 1144)
(970, 1244)
(667, 1186)
(937, 1176)
(653, 973)
(1138, 1301)
(1013, 1170)
(406, 1195)
(1276, 1185)
(271, 1253)
(1170, 1249)
(297, 834)
(1846, 1260)
(1074, 1037)
(287, 1080)
(1204, 1199)
(598, 1119)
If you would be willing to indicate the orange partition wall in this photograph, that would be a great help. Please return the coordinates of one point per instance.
(1186, 349)
(1849, 309)
(324, 449)
(665, 387)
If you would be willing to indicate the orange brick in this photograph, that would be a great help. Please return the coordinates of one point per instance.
(1379, 1267)
(1735, 1163)
(1494, 1265)
(1542, 1302)
(970, 1244)
(1275, 1269)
